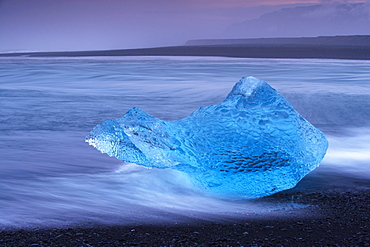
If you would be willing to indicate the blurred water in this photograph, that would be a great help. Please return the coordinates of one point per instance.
(49, 176)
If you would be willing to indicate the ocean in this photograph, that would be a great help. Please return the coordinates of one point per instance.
(49, 176)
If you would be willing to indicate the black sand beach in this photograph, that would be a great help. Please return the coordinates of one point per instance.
(335, 218)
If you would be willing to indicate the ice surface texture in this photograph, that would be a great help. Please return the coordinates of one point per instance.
(253, 144)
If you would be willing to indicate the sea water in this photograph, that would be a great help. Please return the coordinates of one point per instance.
(50, 177)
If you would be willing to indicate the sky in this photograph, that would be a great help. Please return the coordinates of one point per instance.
(56, 25)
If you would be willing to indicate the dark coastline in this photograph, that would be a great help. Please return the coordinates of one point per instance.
(355, 47)
(335, 218)
(234, 51)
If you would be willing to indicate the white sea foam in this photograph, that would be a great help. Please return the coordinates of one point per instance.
(350, 153)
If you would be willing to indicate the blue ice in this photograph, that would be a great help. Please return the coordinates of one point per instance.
(251, 145)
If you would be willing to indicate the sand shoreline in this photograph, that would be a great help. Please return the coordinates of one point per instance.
(340, 219)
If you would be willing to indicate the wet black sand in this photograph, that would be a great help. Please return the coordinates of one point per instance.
(336, 217)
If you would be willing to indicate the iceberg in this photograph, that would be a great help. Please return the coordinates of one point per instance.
(251, 145)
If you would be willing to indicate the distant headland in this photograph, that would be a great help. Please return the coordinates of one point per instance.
(346, 41)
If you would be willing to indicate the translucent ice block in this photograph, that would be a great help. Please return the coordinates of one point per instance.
(253, 144)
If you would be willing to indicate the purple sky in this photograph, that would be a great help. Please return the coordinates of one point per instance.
(33, 25)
